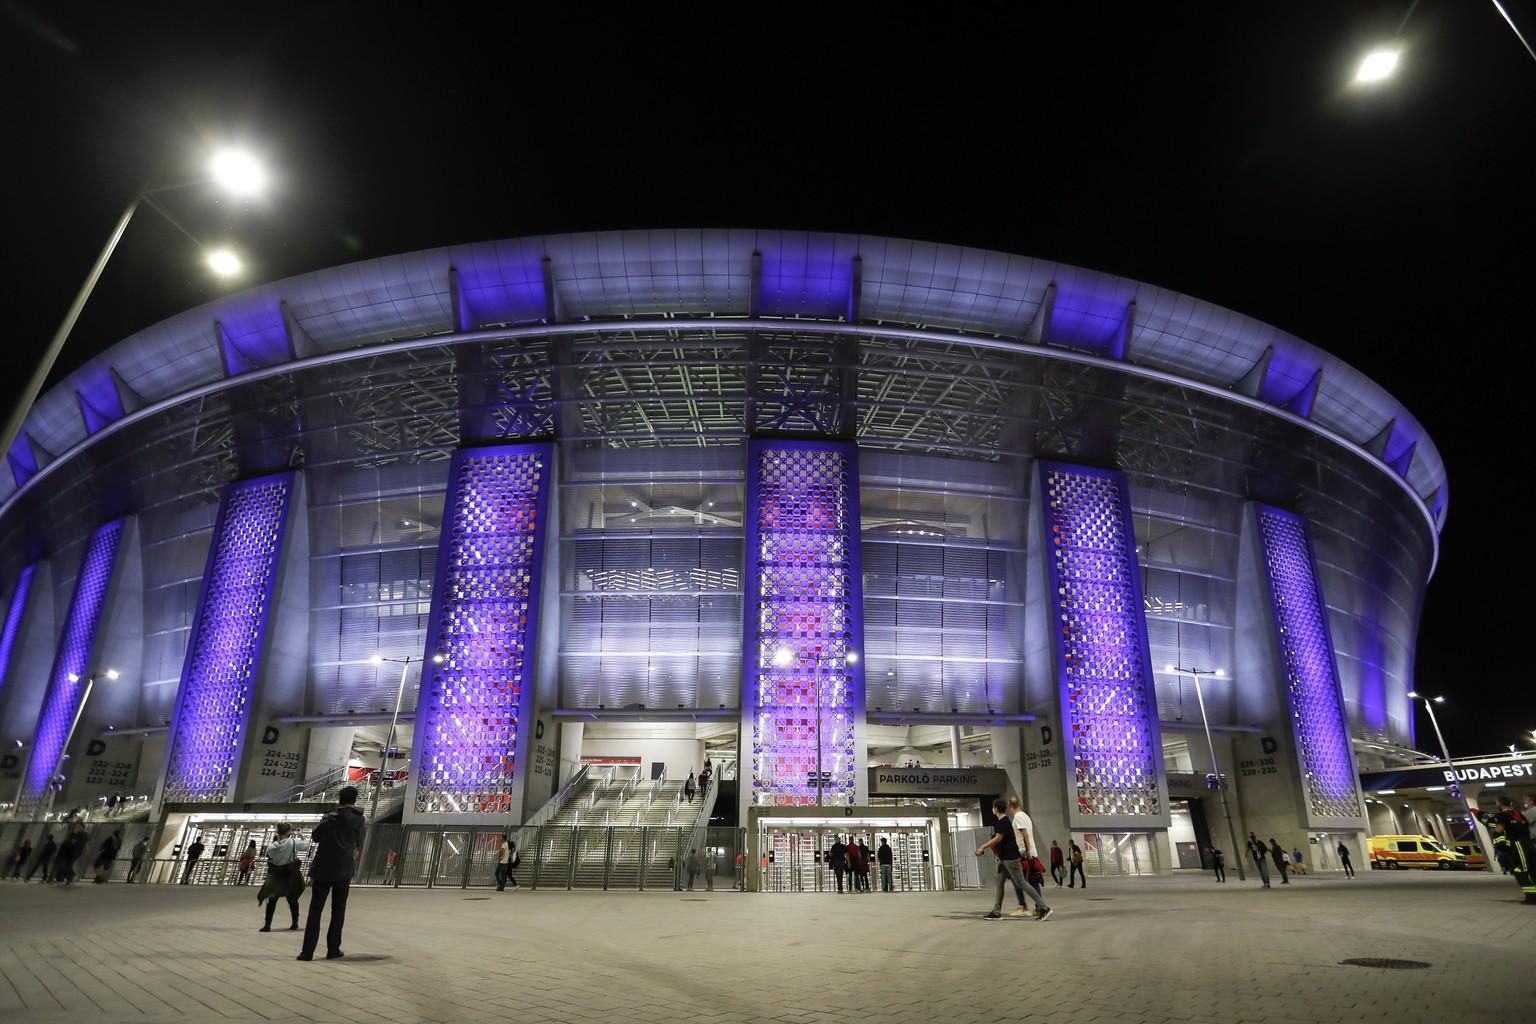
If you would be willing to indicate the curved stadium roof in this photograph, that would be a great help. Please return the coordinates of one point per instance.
(991, 297)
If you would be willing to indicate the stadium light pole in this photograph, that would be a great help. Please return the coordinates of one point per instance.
(1221, 784)
(1461, 793)
(56, 779)
(405, 668)
(233, 170)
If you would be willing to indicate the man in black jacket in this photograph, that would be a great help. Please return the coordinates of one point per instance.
(337, 840)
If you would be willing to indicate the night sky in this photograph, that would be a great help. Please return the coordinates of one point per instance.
(1207, 148)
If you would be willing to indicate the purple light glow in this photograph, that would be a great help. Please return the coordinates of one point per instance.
(804, 598)
(1318, 719)
(13, 619)
(224, 652)
(69, 666)
(484, 621)
(1101, 643)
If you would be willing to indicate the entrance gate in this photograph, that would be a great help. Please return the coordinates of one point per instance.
(796, 854)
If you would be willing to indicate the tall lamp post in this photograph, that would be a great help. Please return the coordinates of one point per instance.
(233, 171)
(394, 720)
(1220, 783)
(784, 657)
(1429, 705)
(56, 779)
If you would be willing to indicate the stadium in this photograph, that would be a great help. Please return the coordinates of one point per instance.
(511, 532)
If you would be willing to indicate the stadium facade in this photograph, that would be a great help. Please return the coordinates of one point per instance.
(805, 503)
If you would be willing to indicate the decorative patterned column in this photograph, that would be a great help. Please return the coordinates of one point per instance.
(469, 740)
(803, 596)
(1324, 754)
(71, 664)
(1103, 664)
(224, 653)
(13, 617)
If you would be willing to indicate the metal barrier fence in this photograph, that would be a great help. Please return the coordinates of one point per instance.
(619, 857)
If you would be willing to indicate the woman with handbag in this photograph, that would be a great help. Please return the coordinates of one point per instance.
(285, 875)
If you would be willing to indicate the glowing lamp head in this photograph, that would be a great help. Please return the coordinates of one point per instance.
(237, 171)
(1377, 66)
(224, 263)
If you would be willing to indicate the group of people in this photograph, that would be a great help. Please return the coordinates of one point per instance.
(1013, 844)
(1512, 844)
(699, 787)
(57, 859)
(708, 864)
(1263, 854)
(852, 859)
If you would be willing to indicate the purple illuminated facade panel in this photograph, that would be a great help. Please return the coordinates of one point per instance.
(13, 620)
(224, 653)
(1100, 638)
(484, 623)
(1324, 752)
(804, 618)
(70, 666)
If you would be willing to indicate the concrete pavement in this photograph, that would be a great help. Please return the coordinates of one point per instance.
(1124, 950)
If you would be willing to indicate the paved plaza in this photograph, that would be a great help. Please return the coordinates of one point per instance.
(1124, 950)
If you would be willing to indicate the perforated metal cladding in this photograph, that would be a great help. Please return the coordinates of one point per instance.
(70, 665)
(484, 624)
(223, 655)
(1311, 678)
(1100, 639)
(801, 526)
(13, 617)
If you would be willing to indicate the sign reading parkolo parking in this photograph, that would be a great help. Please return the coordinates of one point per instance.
(937, 781)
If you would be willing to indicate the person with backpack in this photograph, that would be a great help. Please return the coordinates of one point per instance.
(1077, 866)
(506, 862)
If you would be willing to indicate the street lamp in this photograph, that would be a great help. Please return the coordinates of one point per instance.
(1221, 785)
(56, 780)
(231, 170)
(405, 667)
(784, 657)
(1429, 705)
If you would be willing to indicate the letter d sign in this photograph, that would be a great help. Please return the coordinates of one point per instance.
(1269, 744)
(271, 735)
(95, 748)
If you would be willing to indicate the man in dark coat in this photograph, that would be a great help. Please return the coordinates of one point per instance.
(44, 858)
(337, 839)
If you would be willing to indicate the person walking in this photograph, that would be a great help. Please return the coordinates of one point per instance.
(503, 863)
(1513, 835)
(194, 853)
(1282, 860)
(1260, 854)
(1023, 834)
(107, 856)
(688, 788)
(1005, 846)
(887, 861)
(1219, 864)
(514, 859)
(337, 838)
(285, 875)
(853, 864)
(20, 856)
(44, 858)
(1298, 864)
(247, 863)
(1058, 867)
(70, 850)
(1349, 870)
(691, 866)
(138, 853)
(709, 866)
(837, 860)
(1076, 858)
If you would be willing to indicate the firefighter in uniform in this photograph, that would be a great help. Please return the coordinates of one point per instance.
(1512, 845)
